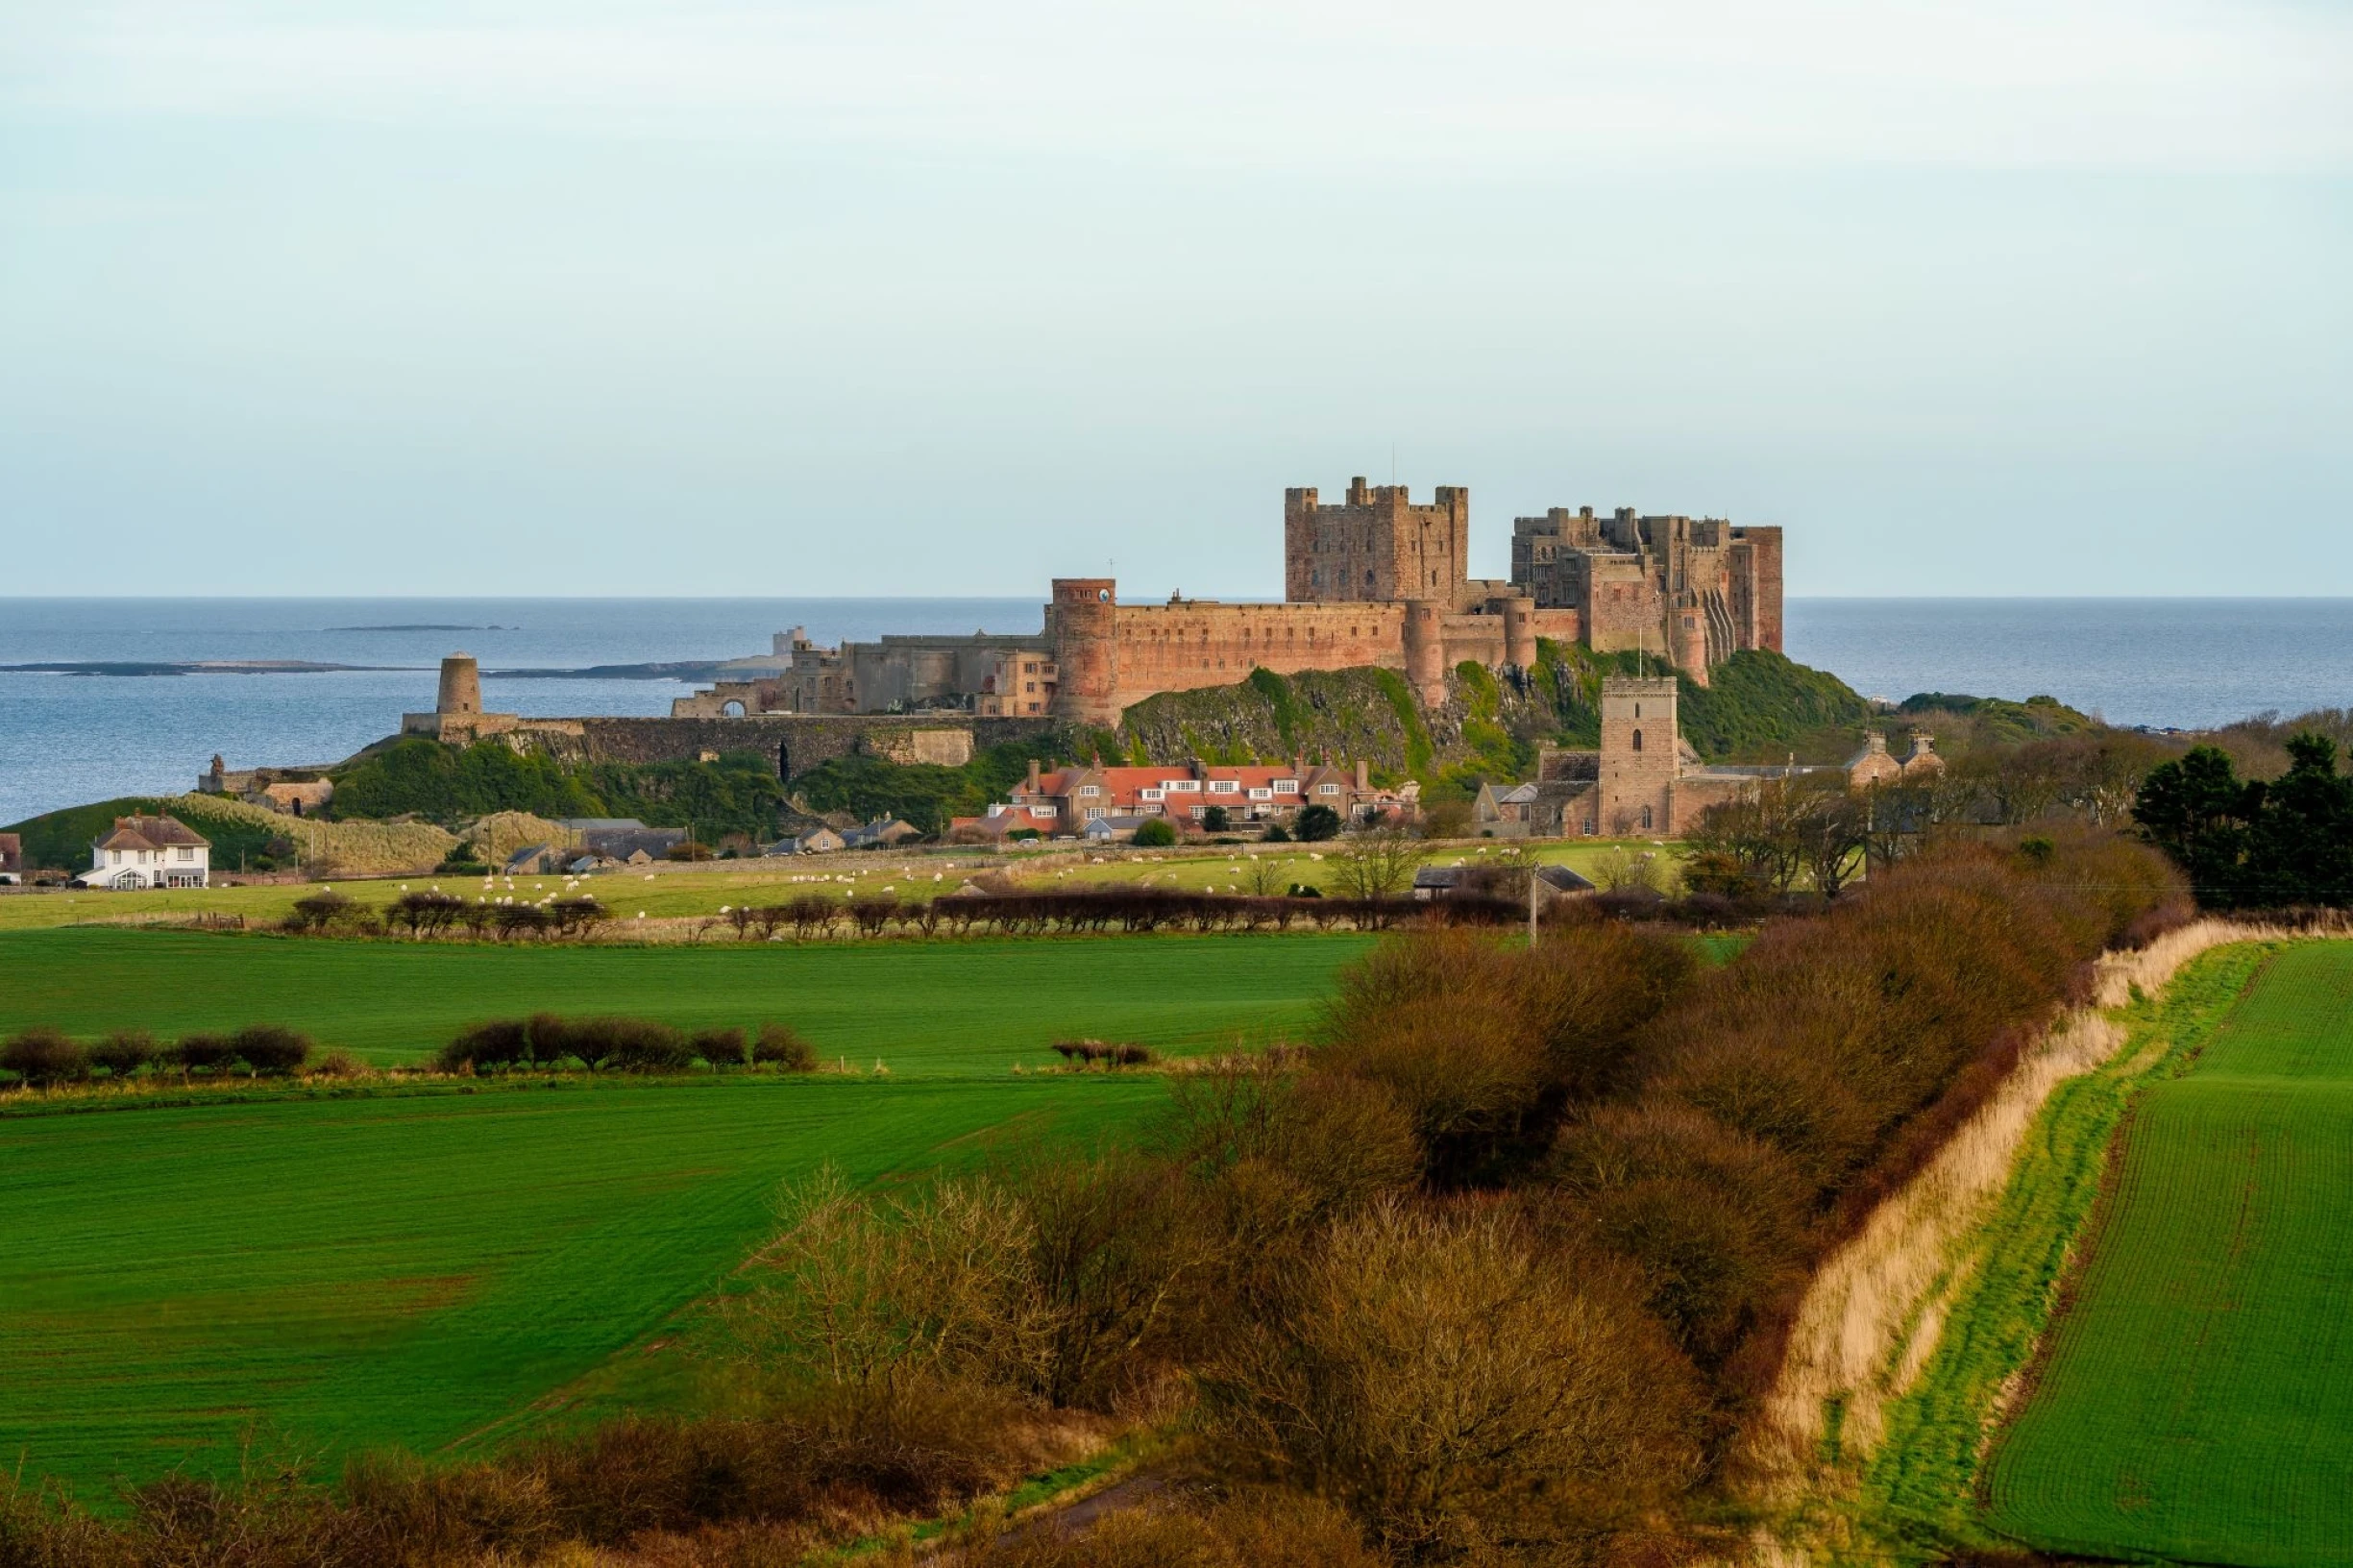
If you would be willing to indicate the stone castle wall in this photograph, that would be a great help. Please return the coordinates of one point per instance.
(1179, 646)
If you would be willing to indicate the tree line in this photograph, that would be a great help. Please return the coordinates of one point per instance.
(41, 1057)
(2273, 843)
(546, 1042)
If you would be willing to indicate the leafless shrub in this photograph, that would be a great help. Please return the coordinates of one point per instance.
(1459, 1389)
(41, 1056)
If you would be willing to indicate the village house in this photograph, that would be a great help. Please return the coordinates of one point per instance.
(1875, 763)
(149, 852)
(1063, 802)
(819, 840)
(623, 838)
(12, 859)
(538, 860)
(880, 834)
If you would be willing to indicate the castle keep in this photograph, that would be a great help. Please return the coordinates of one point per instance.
(1696, 589)
(1374, 579)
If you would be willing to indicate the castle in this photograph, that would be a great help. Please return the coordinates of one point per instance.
(1373, 580)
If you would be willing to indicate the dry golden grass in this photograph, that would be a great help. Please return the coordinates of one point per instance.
(355, 849)
(502, 833)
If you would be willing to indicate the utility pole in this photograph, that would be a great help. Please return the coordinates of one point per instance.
(1532, 905)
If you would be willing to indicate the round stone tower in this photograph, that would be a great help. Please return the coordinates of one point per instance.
(1520, 631)
(1425, 652)
(1082, 628)
(461, 685)
(1687, 625)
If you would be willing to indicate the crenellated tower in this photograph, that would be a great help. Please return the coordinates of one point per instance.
(1376, 544)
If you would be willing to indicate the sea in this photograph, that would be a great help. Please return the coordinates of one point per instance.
(66, 738)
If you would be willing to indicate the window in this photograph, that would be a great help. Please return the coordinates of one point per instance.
(1183, 786)
(1225, 786)
(1327, 788)
(186, 854)
(1286, 786)
(1646, 819)
(1151, 793)
(1029, 686)
(1637, 739)
(1198, 811)
(1090, 789)
(1097, 812)
(1261, 795)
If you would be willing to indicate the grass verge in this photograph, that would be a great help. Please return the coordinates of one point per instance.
(1915, 1501)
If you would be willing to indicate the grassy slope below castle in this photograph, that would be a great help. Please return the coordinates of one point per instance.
(738, 794)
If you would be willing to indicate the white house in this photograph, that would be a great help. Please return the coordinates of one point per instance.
(149, 852)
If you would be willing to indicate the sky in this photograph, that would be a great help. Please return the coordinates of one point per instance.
(915, 298)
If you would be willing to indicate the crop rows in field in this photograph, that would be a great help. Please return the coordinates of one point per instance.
(314, 1278)
(2196, 1401)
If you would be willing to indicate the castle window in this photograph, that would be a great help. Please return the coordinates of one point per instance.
(1646, 819)
(1637, 739)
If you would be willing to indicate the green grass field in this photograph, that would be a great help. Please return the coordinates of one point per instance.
(2197, 1400)
(918, 1007)
(317, 1277)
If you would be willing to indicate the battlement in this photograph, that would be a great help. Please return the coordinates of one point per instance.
(1376, 544)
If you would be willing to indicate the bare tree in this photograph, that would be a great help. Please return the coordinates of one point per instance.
(1830, 827)
(1376, 862)
(1267, 876)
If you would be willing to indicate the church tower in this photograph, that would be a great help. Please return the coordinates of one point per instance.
(1641, 753)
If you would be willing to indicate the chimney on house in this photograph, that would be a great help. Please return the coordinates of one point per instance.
(1364, 776)
(1033, 775)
